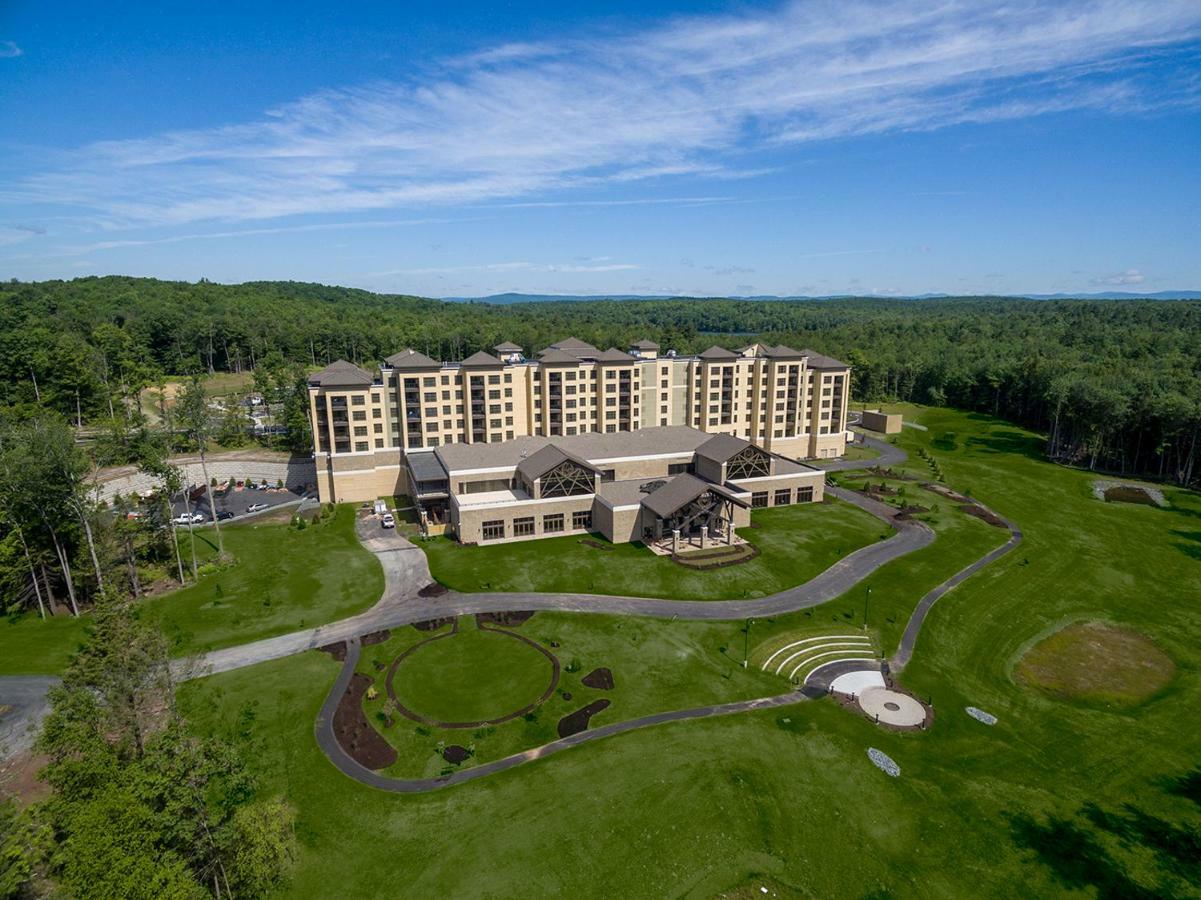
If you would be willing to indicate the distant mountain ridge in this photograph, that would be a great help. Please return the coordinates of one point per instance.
(512, 297)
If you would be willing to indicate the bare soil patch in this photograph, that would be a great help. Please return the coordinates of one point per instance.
(1097, 662)
(336, 650)
(454, 754)
(19, 778)
(1129, 495)
(574, 723)
(506, 619)
(355, 734)
(601, 679)
(433, 589)
(376, 637)
(981, 513)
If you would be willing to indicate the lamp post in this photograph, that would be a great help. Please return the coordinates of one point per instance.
(866, 600)
(746, 641)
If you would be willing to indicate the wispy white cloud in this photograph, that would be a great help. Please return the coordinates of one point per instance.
(1121, 279)
(537, 123)
(9, 49)
(516, 266)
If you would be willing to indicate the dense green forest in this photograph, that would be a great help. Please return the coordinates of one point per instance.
(1116, 384)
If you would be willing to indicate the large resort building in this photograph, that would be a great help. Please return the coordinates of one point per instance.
(636, 446)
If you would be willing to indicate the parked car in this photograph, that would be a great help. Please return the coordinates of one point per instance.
(223, 515)
(182, 519)
(256, 507)
(387, 521)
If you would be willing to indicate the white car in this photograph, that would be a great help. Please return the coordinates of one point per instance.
(388, 521)
(256, 507)
(189, 519)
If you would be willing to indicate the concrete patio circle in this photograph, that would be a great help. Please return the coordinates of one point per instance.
(892, 707)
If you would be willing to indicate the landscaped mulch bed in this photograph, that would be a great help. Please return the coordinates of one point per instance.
(891, 473)
(376, 637)
(574, 723)
(507, 619)
(433, 589)
(354, 733)
(908, 512)
(737, 555)
(601, 679)
(336, 650)
(981, 513)
(455, 754)
(433, 624)
(944, 491)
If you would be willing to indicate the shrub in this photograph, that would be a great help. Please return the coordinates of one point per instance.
(372, 693)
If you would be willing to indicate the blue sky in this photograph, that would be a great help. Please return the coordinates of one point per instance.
(966, 146)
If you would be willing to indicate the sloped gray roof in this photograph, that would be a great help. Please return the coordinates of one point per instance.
(507, 347)
(644, 344)
(425, 466)
(411, 359)
(721, 447)
(592, 446)
(481, 360)
(820, 361)
(551, 356)
(572, 344)
(614, 355)
(341, 374)
(782, 352)
(541, 462)
(682, 490)
(716, 352)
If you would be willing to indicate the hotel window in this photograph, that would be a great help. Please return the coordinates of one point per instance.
(493, 531)
(493, 379)
(379, 428)
(523, 527)
(508, 378)
(429, 382)
(358, 400)
(804, 495)
(377, 413)
(783, 497)
(360, 431)
(360, 415)
(446, 379)
(375, 398)
(361, 446)
(552, 524)
(581, 519)
(759, 499)
(379, 442)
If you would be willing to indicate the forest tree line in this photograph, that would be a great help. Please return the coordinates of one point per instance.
(1116, 384)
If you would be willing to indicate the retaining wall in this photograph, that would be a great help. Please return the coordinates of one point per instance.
(298, 474)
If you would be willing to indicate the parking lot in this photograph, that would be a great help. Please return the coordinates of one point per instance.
(238, 502)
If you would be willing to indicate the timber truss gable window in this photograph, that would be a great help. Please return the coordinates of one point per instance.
(750, 462)
(567, 480)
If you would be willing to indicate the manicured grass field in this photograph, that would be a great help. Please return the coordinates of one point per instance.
(472, 675)
(1060, 797)
(795, 543)
(281, 580)
(656, 666)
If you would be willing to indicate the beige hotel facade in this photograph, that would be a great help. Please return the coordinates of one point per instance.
(372, 430)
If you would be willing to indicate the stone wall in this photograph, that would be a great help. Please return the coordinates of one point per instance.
(298, 474)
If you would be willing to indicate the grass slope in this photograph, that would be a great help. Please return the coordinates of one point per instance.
(281, 580)
(1036, 805)
(795, 543)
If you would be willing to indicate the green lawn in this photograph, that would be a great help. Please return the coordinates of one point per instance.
(795, 543)
(1059, 798)
(282, 580)
(655, 667)
(471, 675)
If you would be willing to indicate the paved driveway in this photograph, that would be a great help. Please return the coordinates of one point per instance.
(23, 699)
